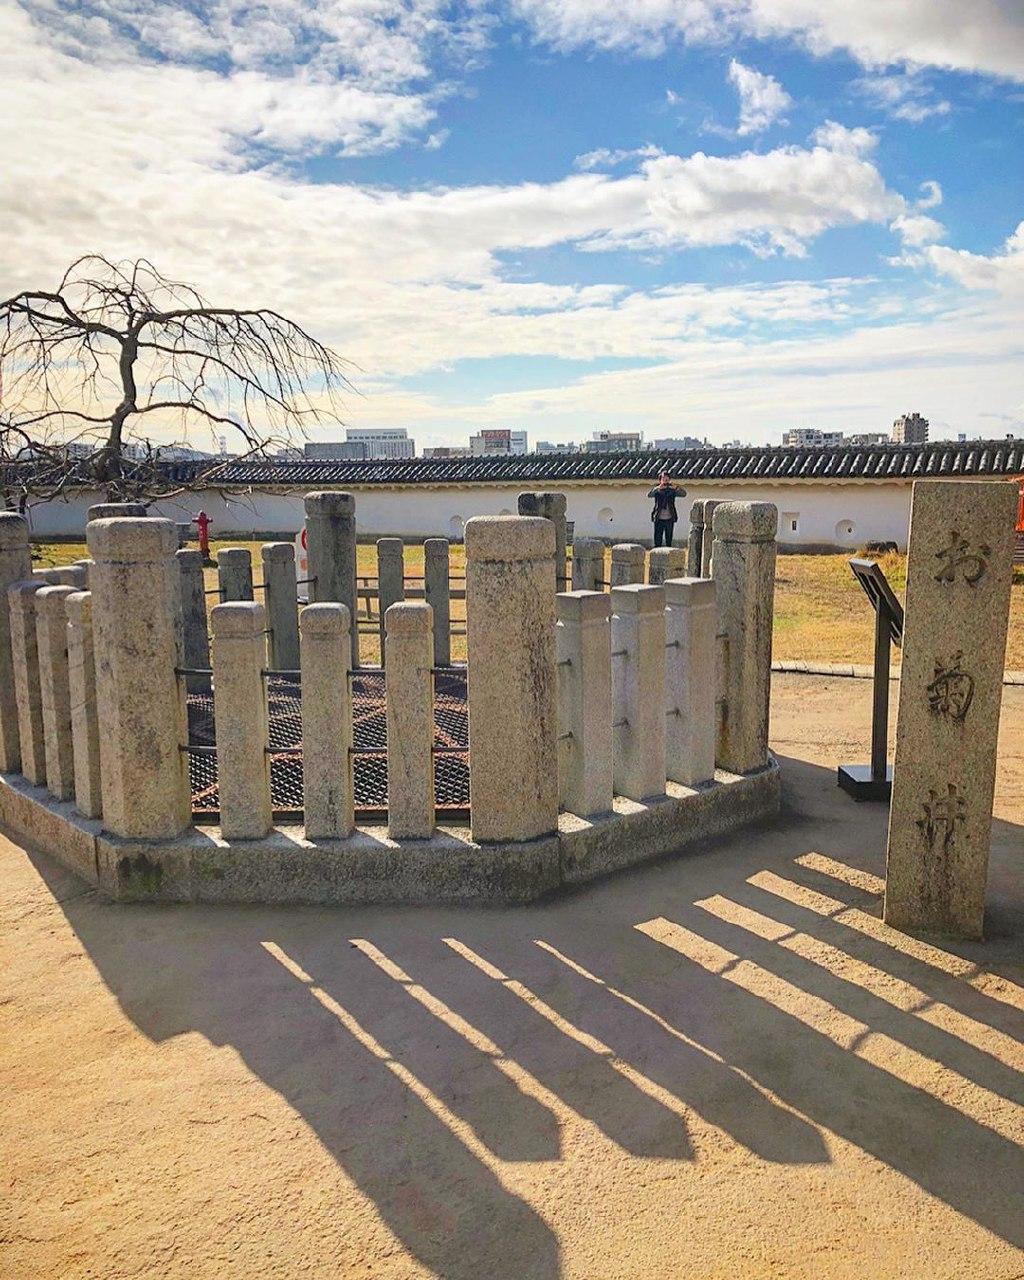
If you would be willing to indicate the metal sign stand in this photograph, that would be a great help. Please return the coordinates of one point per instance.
(874, 781)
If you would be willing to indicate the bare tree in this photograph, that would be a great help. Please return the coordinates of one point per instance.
(116, 350)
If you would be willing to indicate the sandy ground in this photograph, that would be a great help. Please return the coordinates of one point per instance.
(720, 1066)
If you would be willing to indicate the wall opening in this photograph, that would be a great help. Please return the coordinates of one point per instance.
(846, 531)
(606, 516)
(789, 523)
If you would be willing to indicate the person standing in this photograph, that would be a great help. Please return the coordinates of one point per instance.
(664, 513)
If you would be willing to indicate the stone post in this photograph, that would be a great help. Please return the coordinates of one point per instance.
(409, 694)
(54, 690)
(110, 510)
(390, 580)
(959, 570)
(744, 559)
(691, 624)
(195, 636)
(510, 616)
(583, 653)
(49, 577)
(15, 566)
(140, 701)
(437, 591)
(695, 542)
(70, 575)
(638, 690)
(665, 563)
(234, 574)
(550, 506)
(326, 721)
(240, 706)
(86, 565)
(708, 543)
(281, 601)
(21, 599)
(627, 564)
(587, 564)
(331, 555)
(85, 727)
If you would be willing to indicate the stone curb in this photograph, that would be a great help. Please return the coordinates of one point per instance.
(859, 671)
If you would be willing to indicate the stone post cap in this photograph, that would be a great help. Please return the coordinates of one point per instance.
(588, 546)
(48, 577)
(636, 598)
(509, 538)
(630, 552)
(746, 521)
(79, 607)
(189, 558)
(240, 619)
(283, 551)
(51, 599)
(13, 530)
(131, 540)
(408, 617)
(70, 575)
(326, 619)
(108, 510)
(540, 502)
(86, 564)
(330, 502)
(230, 554)
(697, 512)
(390, 546)
(582, 606)
(21, 595)
(696, 593)
(435, 546)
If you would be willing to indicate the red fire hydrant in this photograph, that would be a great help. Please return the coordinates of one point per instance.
(202, 521)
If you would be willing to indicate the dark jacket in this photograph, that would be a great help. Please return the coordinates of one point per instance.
(665, 502)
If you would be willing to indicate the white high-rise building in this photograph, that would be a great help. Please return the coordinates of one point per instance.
(910, 428)
(498, 440)
(382, 442)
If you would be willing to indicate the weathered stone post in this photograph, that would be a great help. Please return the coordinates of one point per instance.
(70, 575)
(638, 690)
(744, 559)
(627, 564)
(240, 705)
(510, 616)
(54, 690)
(437, 592)
(583, 653)
(195, 636)
(111, 510)
(587, 564)
(85, 727)
(15, 566)
(707, 545)
(21, 599)
(390, 580)
(410, 715)
(140, 701)
(281, 601)
(326, 721)
(695, 541)
(665, 563)
(959, 570)
(550, 506)
(234, 574)
(331, 555)
(691, 624)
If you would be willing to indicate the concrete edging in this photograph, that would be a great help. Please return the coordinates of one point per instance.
(368, 867)
(859, 671)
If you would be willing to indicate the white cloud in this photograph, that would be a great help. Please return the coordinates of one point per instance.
(1002, 272)
(916, 229)
(603, 158)
(762, 98)
(982, 35)
(904, 96)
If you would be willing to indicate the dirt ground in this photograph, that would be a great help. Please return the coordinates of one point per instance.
(720, 1066)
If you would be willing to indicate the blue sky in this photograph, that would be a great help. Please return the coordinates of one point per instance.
(718, 218)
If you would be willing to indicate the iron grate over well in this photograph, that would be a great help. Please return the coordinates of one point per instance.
(370, 740)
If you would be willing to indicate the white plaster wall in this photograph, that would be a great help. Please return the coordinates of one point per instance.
(827, 514)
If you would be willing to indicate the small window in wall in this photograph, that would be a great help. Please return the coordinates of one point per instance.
(846, 531)
(455, 526)
(606, 516)
(790, 523)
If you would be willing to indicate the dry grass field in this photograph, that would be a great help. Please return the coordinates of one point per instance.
(821, 613)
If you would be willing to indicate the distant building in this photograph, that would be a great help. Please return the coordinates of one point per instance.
(447, 451)
(681, 442)
(615, 442)
(382, 442)
(500, 441)
(910, 428)
(867, 437)
(543, 446)
(810, 437)
(335, 451)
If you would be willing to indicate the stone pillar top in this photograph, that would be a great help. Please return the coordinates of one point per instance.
(746, 521)
(583, 606)
(408, 616)
(435, 545)
(321, 619)
(509, 538)
(234, 553)
(535, 499)
(136, 539)
(634, 597)
(18, 592)
(330, 502)
(46, 594)
(79, 607)
(190, 557)
(390, 545)
(697, 512)
(107, 510)
(13, 530)
(237, 618)
(276, 551)
(691, 591)
(628, 551)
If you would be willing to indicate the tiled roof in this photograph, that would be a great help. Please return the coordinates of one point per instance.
(838, 462)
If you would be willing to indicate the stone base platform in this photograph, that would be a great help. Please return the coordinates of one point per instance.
(369, 867)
